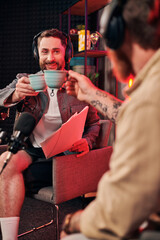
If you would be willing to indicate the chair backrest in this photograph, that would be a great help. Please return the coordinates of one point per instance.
(102, 140)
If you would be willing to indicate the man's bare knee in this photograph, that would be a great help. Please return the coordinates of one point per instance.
(17, 163)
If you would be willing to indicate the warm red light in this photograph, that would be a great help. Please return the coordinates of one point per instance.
(130, 81)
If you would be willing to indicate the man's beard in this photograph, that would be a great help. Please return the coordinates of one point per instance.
(122, 66)
(44, 64)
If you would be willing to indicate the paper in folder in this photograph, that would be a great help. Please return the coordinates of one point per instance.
(63, 139)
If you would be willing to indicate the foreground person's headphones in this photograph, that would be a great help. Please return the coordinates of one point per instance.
(112, 24)
(68, 52)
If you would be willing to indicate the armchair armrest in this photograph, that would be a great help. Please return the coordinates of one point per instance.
(73, 177)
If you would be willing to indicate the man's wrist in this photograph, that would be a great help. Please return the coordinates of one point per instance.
(11, 99)
(71, 223)
(66, 224)
(15, 97)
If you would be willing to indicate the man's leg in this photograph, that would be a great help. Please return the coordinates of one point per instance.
(12, 192)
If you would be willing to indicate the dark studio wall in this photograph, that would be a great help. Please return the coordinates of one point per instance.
(20, 20)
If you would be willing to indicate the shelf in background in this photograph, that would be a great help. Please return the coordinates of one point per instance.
(74, 36)
(79, 7)
(91, 53)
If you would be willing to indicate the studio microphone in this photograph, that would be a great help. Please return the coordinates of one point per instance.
(22, 130)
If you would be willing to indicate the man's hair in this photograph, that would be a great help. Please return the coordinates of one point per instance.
(144, 28)
(53, 33)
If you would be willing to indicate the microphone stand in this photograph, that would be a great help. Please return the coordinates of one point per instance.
(14, 146)
(9, 155)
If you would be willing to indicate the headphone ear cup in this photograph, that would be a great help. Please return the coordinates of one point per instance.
(69, 50)
(115, 32)
(113, 26)
(35, 50)
(35, 47)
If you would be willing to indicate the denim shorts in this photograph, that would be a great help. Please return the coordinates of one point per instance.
(39, 173)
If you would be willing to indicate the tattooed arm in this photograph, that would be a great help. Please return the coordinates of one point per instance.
(81, 87)
(106, 104)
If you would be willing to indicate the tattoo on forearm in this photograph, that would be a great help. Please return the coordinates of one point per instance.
(111, 108)
(116, 105)
(111, 111)
(98, 103)
(101, 94)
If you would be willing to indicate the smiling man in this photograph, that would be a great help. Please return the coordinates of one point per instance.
(52, 49)
(51, 53)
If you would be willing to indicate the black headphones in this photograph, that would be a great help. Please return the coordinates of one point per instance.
(112, 25)
(68, 52)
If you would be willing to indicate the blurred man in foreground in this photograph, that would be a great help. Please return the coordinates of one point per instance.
(129, 193)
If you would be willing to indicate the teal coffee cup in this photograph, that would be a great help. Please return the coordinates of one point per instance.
(55, 78)
(37, 82)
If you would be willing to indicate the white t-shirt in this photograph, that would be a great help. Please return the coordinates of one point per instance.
(50, 121)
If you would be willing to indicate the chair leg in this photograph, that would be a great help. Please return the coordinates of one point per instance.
(42, 226)
(45, 225)
(35, 229)
(57, 221)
